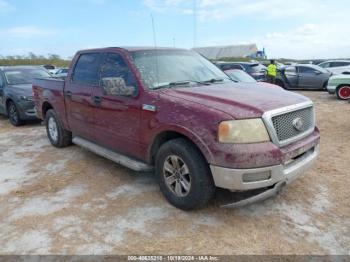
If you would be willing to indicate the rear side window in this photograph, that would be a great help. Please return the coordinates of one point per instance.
(307, 70)
(87, 69)
(337, 64)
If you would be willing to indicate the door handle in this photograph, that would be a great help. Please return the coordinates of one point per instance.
(68, 94)
(97, 100)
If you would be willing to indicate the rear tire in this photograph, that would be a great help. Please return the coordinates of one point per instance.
(13, 114)
(184, 175)
(343, 92)
(58, 136)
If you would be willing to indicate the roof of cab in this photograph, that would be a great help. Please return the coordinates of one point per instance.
(132, 49)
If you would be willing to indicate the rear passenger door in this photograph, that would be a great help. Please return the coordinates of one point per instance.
(117, 110)
(78, 94)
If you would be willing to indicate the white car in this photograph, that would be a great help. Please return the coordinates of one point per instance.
(336, 66)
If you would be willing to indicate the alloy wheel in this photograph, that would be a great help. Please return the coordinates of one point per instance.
(177, 176)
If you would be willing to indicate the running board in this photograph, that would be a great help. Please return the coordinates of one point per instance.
(111, 155)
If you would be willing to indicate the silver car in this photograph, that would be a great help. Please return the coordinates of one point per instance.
(303, 76)
(336, 66)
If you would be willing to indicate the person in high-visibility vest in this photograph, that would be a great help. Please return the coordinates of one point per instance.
(271, 72)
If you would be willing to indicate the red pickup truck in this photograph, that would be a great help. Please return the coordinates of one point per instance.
(174, 112)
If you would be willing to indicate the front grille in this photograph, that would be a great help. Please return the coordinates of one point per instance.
(284, 127)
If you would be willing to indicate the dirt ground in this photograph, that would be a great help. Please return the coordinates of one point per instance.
(71, 201)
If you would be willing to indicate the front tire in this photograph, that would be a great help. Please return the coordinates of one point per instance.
(58, 136)
(13, 114)
(183, 174)
(280, 83)
(343, 92)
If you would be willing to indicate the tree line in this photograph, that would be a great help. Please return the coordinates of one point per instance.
(33, 59)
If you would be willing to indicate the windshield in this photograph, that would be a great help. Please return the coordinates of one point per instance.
(163, 68)
(240, 76)
(24, 76)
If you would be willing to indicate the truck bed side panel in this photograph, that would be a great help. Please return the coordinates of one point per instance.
(50, 92)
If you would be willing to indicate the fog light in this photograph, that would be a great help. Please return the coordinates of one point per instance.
(254, 177)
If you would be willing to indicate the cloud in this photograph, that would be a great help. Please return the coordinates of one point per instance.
(221, 10)
(5, 6)
(321, 40)
(26, 32)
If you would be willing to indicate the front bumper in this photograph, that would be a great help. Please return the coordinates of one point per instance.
(27, 110)
(331, 89)
(247, 179)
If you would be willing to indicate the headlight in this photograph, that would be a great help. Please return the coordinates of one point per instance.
(243, 131)
(26, 98)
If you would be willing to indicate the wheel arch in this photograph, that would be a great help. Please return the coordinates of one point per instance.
(166, 135)
(45, 107)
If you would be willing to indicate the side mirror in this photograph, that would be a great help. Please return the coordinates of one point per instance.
(117, 86)
(318, 73)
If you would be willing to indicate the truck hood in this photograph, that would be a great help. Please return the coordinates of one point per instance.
(24, 90)
(239, 100)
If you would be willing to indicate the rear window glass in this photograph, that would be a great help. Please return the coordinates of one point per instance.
(256, 68)
(87, 69)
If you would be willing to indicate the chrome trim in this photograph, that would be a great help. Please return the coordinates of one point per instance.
(232, 179)
(267, 118)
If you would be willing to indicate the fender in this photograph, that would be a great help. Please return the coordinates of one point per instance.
(189, 134)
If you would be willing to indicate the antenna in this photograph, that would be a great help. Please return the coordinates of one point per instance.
(155, 47)
(154, 32)
(194, 22)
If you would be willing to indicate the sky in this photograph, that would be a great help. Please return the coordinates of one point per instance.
(301, 29)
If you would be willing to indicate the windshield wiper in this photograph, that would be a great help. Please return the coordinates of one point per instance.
(214, 80)
(180, 83)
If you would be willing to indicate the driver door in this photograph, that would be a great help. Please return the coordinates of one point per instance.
(291, 76)
(117, 110)
(309, 77)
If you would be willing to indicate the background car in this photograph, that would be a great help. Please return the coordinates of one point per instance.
(61, 73)
(339, 85)
(51, 68)
(336, 66)
(303, 76)
(238, 75)
(16, 99)
(256, 70)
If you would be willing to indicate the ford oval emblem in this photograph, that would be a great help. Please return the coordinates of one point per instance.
(298, 124)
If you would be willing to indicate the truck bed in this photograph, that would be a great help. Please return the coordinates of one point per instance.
(49, 90)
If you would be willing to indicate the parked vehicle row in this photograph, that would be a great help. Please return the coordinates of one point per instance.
(182, 117)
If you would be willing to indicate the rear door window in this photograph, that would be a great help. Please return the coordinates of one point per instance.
(338, 64)
(87, 69)
(306, 70)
